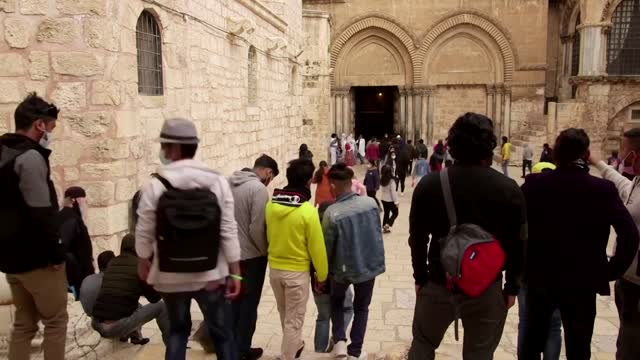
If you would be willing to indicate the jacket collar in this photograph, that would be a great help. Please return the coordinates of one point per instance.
(291, 196)
(346, 196)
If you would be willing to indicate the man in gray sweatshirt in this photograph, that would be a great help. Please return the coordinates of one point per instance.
(627, 289)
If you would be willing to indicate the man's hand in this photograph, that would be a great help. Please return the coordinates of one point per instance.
(144, 265)
(418, 288)
(594, 159)
(320, 286)
(509, 300)
(234, 286)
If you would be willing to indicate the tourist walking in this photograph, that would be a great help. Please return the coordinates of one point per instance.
(305, 153)
(352, 233)
(361, 148)
(295, 242)
(505, 154)
(413, 155)
(323, 187)
(546, 154)
(372, 181)
(117, 313)
(420, 169)
(627, 289)
(349, 155)
(527, 159)
(403, 164)
(483, 199)
(571, 212)
(334, 146)
(422, 149)
(32, 255)
(207, 270)
(75, 238)
(385, 145)
(389, 198)
(373, 151)
(250, 195)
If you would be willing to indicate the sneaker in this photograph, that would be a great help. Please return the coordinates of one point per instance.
(386, 229)
(363, 356)
(253, 354)
(340, 350)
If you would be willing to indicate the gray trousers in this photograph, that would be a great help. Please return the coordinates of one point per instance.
(130, 324)
(483, 319)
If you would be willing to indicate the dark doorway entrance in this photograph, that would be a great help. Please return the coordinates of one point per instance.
(374, 110)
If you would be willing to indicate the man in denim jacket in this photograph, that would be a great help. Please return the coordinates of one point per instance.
(355, 250)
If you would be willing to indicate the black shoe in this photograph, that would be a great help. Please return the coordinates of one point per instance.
(139, 341)
(299, 353)
(253, 354)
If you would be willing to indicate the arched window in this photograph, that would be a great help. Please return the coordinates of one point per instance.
(149, 46)
(252, 78)
(623, 45)
(575, 56)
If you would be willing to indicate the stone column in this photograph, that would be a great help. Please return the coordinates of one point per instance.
(430, 111)
(403, 110)
(332, 112)
(499, 110)
(338, 112)
(408, 128)
(352, 113)
(593, 45)
(507, 113)
(346, 111)
(491, 105)
(423, 129)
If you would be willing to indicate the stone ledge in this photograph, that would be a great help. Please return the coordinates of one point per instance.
(265, 14)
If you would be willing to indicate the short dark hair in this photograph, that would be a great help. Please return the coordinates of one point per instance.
(408, 141)
(104, 258)
(267, 162)
(471, 138)
(299, 172)
(505, 139)
(33, 108)
(340, 172)
(633, 136)
(571, 145)
(421, 141)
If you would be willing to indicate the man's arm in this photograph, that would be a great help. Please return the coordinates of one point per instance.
(419, 234)
(316, 247)
(627, 231)
(32, 170)
(258, 227)
(146, 226)
(150, 293)
(623, 184)
(228, 227)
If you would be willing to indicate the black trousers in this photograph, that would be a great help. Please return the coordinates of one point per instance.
(411, 166)
(400, 182)
(389, 208)
(372, 194)
(628, 304)
(526, 164)
(578, 312)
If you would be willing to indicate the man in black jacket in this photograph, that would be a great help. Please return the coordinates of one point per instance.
(570, 215)
(76, 239)
(481, 196)
(32, 255)
(117, 313)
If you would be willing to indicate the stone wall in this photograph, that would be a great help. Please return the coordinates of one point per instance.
(82, 55)
(451, 102)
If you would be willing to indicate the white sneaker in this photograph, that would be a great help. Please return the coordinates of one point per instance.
(340, 350)
(363, 356)
(402, 194)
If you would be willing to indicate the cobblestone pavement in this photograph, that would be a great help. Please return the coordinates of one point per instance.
(390, 315)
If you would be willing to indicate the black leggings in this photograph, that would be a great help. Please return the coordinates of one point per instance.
(392, 208)
(400, 182)
(372, 194)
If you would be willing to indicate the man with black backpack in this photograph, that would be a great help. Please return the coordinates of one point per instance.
(476, 218)
(187, 240)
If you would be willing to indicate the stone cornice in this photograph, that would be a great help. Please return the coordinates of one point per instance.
(605, 79)
(312, 13)
(590, 25)
(265, 14)
(532, 67)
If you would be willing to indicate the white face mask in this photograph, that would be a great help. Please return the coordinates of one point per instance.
(163, 158)
(46, 139)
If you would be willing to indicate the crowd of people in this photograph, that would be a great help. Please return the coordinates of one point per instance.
(478, 243)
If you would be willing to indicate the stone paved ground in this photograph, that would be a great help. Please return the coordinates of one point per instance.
(390, 314)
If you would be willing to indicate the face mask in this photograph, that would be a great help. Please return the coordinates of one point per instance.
(46, 139)
(163, 158)
(393, 157)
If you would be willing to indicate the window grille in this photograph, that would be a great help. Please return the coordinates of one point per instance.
(623, 44)
(252, 78)
(635, 115)
(575, 56)
(149, 45)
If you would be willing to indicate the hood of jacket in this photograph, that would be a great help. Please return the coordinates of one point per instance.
(13, 145)
(128, 245)
(189, 174)
(243, 176)
(291, 198)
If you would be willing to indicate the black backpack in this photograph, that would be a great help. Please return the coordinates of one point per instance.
(187, 229)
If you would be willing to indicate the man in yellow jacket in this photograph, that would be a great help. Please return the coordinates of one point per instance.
(506, 155)
(295, 242)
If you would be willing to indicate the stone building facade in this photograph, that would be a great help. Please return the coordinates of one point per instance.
(227, 64)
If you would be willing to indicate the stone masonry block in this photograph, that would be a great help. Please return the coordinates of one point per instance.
(71, 174)
(8, 6)
(125, 68)
(59, 31)
(77, 63)
(16, 33)
(39, 65)
(70, 96)
(111, 149)
(100, 33)
(89, 124)
(108, 220)
(103, 171)
(127, 124)
(34, 7)
(11, 64)
(125, 188)
(65, 152)
(40, 87)
(79, 7)
(99, 193)
(10, 91)
(105, 93)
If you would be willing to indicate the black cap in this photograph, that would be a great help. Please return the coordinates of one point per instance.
(75, 192)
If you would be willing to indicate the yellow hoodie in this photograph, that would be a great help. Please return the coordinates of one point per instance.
(295, 235)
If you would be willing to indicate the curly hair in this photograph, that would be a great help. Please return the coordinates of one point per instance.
(472, 138)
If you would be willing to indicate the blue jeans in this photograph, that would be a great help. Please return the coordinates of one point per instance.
(245, 309)
(214, 307)
(131, 324)
(361, 301)
(554, 340)
(323, 302)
